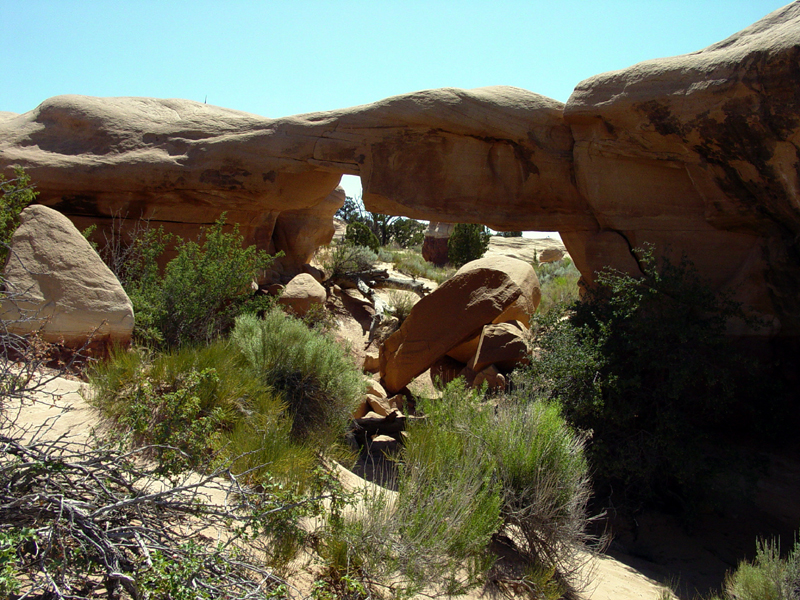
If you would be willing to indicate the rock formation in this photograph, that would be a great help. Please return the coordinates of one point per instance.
(434, 246)
(489, 290)
(696, 154)
(57, 284)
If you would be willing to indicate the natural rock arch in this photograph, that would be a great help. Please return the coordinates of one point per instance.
(695, 153)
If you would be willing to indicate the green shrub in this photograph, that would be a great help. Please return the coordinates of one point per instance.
(768, 577)
(408, 232)
(412, 264)
(180, 401)
(359, 234)
(319, 383)
(202, 289)
(345, 259)
(401, 303)
(15, 195)
(559, 284)
(509, 234)
(471, 472)
(645, 365)
(468, 242)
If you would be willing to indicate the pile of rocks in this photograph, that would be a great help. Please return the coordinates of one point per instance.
(473, 325)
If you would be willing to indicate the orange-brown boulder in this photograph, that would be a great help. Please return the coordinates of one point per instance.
(489, 290)
(502, 345)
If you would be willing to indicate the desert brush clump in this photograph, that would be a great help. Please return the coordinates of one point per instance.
(179, 401)
(318, 382)
(473, 474)
(202, 289)
(412, 264)
(643, 363)
(559, 284)
(15, 194)
(768, 577)
(345, 259)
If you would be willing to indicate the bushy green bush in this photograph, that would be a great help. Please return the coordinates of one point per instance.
(180, 400)
(468, 242)
(202, 289)
(645, 365)
(470, 473)
(559, 284)
(359, 234)
(412, 264)
(319, 383)
(768, 577)
(15, 194)
(346, 259)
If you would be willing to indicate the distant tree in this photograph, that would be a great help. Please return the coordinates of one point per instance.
(467, 242)
(350, 211)
(386, 228)
(509, 233)
(358, 234)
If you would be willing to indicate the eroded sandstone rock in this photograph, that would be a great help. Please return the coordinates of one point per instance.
(57, 284)
(490, 290)
(301, 293)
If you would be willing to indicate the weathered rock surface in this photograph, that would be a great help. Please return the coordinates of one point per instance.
(502, 345)
(434, 246)
(56, 282)
(301, 293)
(699, 153)
(489, 290)
(695, 153)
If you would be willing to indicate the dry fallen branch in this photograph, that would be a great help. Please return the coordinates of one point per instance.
(88, 520)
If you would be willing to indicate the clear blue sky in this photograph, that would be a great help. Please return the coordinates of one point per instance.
(294, 56)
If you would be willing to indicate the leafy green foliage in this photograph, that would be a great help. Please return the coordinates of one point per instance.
(178, 401)
(10, 542)
(645, 365)
(387, 229)
(345, 259)
(314, 376)
(768, 577)
(359, 234)
(468, 242)
(412, 263)
(559, 284)
(15, 194)
(202, 289)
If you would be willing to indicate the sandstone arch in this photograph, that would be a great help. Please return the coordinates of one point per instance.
(697, 153)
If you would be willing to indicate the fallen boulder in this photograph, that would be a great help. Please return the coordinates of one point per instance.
(490, 290)
(301, 293)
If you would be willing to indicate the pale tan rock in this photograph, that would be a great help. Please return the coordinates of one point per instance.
(502, 345)
(372, 363)
(683, 152)
(379, 405)
(374, 388)
(549, 255)
(56, 282)
(495, 289)
(299, 233)
(494, 380)
(301, 293)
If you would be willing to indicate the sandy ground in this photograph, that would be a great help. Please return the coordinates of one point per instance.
(60, 409)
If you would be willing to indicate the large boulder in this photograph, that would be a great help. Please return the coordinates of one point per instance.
(57, 284)
(497, 289)
(502, 345)
(301, 293)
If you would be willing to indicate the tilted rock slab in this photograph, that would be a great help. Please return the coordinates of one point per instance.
(56, 283)
(696, 154)
(490, 290)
